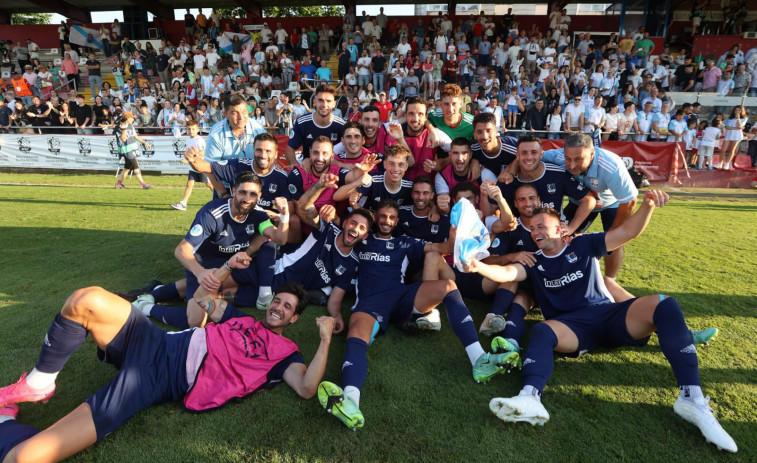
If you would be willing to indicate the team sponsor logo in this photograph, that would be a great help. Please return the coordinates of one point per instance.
(234, 248)
(179, 146)
(340, 270)
(292, 189)
(551, 189)
(24, 144)
(495, 243)
(250, 229)
(628, 161)
(272, 187)
(563, 280)
(322, 271)
(373, 256)
(85, 147)
(572, 258)
(389, 245)
(196, 230)
(148, 153)
(53, 145)
(113, 147)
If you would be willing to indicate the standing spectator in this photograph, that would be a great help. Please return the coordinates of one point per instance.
(84, 117)
(710, 77)
(5, 117)
(62, 36)
(554, 123)
(644, 48)
(677, 128)
(536, 119)
(31, 76)
(22, 55)
(484, 51)
(22, 88)
(533, 51)
(93, 71)
(281, 38)
(734, 134)
(378, 69)
(202, 21)
(161, 63)
(189, 26)
(627, 121)
(128, 148)
(741, 81)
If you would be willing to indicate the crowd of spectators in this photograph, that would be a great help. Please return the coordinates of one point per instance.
(543, 81)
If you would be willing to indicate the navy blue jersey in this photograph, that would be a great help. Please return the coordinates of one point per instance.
(383, 263)
(274, 183)
(508, 148)
(318, 263)
(305, 130)
(513, 241)
(571, 280)
(420, 227)
(216, 236)
(378, 190)
(554, 183)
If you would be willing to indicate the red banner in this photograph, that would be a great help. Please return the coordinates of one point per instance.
(653, 159)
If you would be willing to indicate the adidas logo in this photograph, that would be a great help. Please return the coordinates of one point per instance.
(540, 268)
(47, 341)
(519, 243)
(310, 136)
(328, 247)
(224, 233)
(467, 319)
(690, 349)
(346, 364)
(527, 361)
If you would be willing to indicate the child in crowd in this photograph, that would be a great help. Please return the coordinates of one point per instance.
(710, 136)
(689, 137)
(193, 139)
(514, 106)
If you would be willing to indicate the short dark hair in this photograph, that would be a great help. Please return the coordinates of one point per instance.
(265, 136)
(353, 125)
(464, 186)
(248, 177)
(526, 185)
(484, 118)
(414, 100)
(388, 202)
(235, 100)
(297, 290)
(370, 109)
(528, 138)
(322, 139)
(550, 211)
(460, 141)
(362, 213)
(323, 88)
(427, 180)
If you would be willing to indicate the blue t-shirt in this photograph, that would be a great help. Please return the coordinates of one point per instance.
(383, 263)
(554, 183)
(216, 235)
(378, 190)
(275, 183)
(323, 73)
(318, 263)
(305, 130)
(421, 228)
(498, 163)
(571, 280)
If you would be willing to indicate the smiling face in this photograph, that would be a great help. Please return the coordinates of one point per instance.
(245, 197)
(526, 200)
(486, 136)
(352, 140)
(529, 155)
(460, 157)
(355, 229)
(545, 231)
(281, 312)
(578, 159)
(321, 154)
(395, 166)
(265, 154)
(422, 195)
(386, 220)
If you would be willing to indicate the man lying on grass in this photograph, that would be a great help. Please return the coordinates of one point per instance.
(205, 367)
(580, 316)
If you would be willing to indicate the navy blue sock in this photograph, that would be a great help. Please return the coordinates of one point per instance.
(459, 318)
(516, 322)
(174, 316)
(13, 433)
(166, 293)
(540, 361)
(502, 300)
(62, 339)
(676, 342)
(355, 366)
(265, 260)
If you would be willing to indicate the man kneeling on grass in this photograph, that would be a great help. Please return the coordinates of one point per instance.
(581, 316)
(205, 367)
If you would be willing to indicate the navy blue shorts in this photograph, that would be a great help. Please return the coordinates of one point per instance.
(601, 325)
(152, 370)
(389, 306)
(471, 285)
(607, 215)
(197, 177)
(192, 284)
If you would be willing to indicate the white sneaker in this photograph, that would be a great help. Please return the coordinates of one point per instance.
(263, 302)
(492, 325)
(179, 206)
(144, 303)
(699, 413)
(520, 408)
(432, 321)
(718, 165)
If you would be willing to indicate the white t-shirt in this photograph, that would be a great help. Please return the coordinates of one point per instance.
(281, 36)
(366, 69)
(554, 122)
(710, 136)
(197, 141)
(212, 58)
(199, 61)
(575, 114)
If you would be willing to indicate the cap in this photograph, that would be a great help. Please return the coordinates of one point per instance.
(382, 93)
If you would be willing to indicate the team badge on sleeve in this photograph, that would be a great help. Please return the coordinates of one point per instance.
(292, 189)
(495, 243)
(196, 230)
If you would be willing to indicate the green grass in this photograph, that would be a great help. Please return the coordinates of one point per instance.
(419, 400)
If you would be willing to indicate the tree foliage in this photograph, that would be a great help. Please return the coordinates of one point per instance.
(31, 18)
(286, 11)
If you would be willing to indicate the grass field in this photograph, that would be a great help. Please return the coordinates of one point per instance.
(420, 402)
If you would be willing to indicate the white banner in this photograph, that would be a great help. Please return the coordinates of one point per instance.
(89, 152)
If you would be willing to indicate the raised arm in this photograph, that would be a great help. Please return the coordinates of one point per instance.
(635, 224)
(279, 234)
(305, 380)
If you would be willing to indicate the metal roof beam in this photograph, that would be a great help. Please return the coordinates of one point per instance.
(65, 9)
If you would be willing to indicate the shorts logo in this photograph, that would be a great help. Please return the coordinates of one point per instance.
(292, 189)
(378, 317)
(389, 245)
(196, 230)
(495, 243)
(250, 229)
(340, 270)
(527, 361)
(551, 189)
(434, 228)
(572, 258)
(690, 349)
(272, 188)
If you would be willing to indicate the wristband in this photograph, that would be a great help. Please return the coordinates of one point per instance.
(227, 266)
(284, 218)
